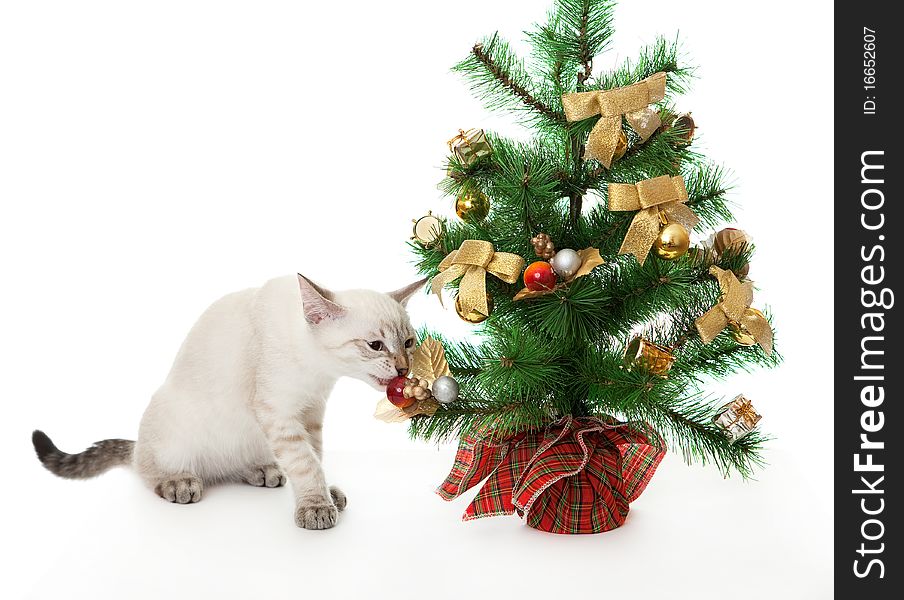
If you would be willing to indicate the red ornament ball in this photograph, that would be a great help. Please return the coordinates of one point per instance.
(539, 276)
(395, 392)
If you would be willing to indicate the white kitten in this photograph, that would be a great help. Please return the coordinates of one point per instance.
(246, 395)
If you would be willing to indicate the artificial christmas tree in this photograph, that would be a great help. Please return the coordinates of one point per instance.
(564, 420)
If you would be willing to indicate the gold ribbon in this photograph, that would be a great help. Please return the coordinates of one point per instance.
(650, 197)
(472, 261)
(461, 137)
(633, 101)
(732, 308)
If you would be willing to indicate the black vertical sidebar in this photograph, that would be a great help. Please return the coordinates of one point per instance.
(869, 232)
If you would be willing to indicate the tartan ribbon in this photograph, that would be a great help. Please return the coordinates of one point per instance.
(472, 261)
(734, 307)
(651, 197)
(632, 101)
(579, 475)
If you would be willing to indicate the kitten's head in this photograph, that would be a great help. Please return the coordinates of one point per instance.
(364, 334)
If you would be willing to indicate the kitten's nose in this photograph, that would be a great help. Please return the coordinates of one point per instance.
(402, 372)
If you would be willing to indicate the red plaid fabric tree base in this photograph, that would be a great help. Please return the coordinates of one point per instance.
(577, 476)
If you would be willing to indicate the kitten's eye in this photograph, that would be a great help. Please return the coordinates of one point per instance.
(378, 345)
(409, 343)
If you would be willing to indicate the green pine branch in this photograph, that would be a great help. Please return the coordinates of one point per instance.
(501, 79)
(504, 385)
(662, 55)
(682, 415)
(586, 31)
(690, 429)
(556, 74)
(516, 367)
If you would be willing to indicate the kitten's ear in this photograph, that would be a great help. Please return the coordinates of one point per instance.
(318, 302)
(402, 295)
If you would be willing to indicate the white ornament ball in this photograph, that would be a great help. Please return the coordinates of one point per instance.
(445, 390)
(566, 263)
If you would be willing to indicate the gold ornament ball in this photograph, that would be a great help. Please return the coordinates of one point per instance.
(740, 333)
(673, 241)
(472, 206)
(474, 317)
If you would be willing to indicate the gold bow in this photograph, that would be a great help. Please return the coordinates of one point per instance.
(650, 197)
(633, 101)
(734, 307)
(473, 260)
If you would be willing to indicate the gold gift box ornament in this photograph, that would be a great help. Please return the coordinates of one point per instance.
(469, 146)
(737, 418)
(643, 354)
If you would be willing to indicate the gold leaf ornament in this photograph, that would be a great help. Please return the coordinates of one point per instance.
(590, 259)
(429, 361)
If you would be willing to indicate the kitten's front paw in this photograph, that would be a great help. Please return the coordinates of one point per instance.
(184, 489)
(266, 476)
(338, 497)
(318, 514)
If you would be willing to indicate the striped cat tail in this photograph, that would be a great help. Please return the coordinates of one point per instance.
(100, 457)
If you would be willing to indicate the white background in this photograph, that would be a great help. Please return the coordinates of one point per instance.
(154, 156)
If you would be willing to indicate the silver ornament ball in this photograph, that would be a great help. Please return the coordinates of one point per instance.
(566, 263)
(445, 390)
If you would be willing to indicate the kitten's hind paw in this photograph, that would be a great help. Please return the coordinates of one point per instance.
(182, 489)
(265, 476)
(338, 497)
(316, 515)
